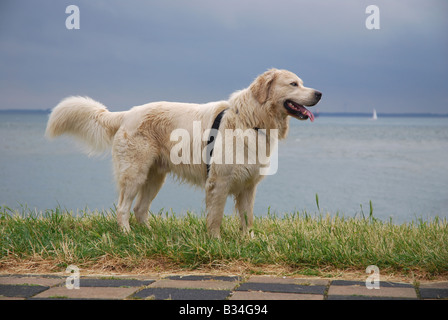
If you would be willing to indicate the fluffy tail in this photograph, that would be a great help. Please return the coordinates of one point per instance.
(86, 119)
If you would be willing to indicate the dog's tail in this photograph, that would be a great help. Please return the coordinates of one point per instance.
(86, 119)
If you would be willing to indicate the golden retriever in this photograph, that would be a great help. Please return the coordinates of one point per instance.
(145, 148)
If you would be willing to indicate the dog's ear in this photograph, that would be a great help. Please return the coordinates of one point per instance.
(261, 87)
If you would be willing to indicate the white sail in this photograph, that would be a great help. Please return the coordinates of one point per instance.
(374, 117)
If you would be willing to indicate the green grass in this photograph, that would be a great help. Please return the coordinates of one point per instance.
(298, 242)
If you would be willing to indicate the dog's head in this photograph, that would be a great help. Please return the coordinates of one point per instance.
(284, 91)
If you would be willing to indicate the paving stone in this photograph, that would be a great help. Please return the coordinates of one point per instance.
(40, 281)
(205, 277)
(361, 290)
(87, 293)
(341, 297)
(279, 287)
(11, 298)
(433, 293)
(31, 275)
(21, 291)
(363, 283)
(434, 290)
(299, 281)
(113, 282)
(434, 285)
(195, 284)
(210, 287)
(258, 295)
(181, 294)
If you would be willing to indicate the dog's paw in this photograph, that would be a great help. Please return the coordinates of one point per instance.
(125, 228)
(251, 234)
(215, 234)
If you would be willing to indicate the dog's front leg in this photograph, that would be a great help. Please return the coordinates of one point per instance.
(216, 191)
(244, 204)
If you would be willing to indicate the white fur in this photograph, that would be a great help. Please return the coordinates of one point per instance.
(86, 119)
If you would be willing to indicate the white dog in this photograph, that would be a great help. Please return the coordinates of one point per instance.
(142, 142)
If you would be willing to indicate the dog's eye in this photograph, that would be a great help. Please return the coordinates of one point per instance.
(294, 84)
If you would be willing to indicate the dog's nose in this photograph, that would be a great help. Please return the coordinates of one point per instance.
(318, 95)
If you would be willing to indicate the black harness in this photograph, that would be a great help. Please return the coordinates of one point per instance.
(211, 138)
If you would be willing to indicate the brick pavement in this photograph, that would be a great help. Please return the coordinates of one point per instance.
(211, 287)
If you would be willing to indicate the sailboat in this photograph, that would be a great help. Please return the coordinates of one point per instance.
(374, 117)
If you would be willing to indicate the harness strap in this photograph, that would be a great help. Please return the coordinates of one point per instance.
(211, 139)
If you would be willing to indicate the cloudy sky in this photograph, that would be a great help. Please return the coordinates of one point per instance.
(128, 53)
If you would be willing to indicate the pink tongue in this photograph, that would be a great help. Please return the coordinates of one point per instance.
(306, 112)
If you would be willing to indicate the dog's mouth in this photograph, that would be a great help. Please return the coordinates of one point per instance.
(298, 111)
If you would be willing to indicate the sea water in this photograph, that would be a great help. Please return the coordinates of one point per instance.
(399, 164)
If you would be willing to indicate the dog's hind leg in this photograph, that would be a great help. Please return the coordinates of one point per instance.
(147, 193)
(132, 158)
(130, 181)
(127, 195)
